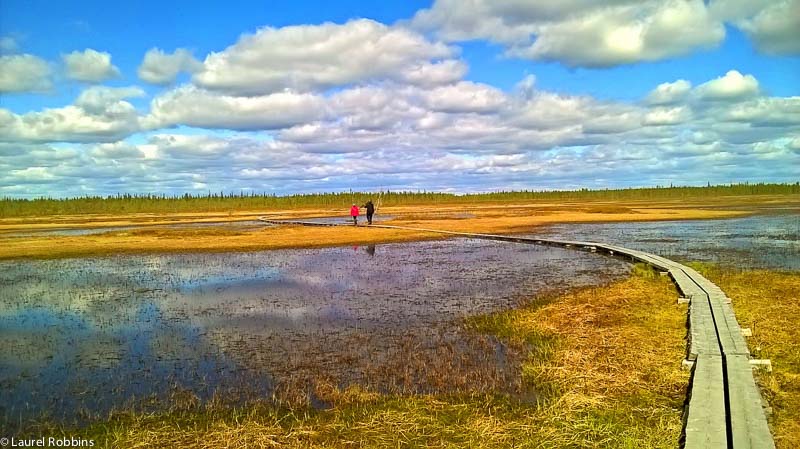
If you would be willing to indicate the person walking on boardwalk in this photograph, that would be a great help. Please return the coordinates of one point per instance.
(354, 214)
(370, 211)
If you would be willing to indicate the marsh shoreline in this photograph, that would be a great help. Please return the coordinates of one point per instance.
(170, 233)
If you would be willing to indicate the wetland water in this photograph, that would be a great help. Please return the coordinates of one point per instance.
(80, 337)
(761, 241)
(83, 336)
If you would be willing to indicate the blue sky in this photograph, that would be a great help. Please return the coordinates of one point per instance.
(295, 96)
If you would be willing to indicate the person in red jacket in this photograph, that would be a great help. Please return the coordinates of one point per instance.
(354, 214)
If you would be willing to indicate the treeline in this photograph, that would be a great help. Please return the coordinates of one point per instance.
(220, 202)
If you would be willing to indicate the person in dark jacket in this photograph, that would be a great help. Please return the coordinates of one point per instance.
(370, 211)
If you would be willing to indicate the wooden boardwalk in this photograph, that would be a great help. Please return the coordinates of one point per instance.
(725, 407)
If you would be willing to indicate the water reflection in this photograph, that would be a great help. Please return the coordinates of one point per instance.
(94, 334)
(764, 241)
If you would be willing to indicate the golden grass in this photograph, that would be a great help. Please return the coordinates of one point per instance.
(768, 302)
(601, 369)
(606, 349)
(491, 218)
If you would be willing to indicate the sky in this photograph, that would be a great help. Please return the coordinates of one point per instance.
(282, 97)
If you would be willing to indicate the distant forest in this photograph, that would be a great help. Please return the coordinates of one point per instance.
(221, 202)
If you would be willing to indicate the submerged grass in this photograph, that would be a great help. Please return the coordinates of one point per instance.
(600, 368)
(768, 302)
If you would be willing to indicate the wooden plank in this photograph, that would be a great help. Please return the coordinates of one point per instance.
(748, 422)
(685, 284)
(728, 329)
(702, 333)
(706, 426)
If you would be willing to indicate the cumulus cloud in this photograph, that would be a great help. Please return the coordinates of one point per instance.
(459, 136)
(191, 106)
(116, 151)
(465, 96)
(570, 115)
(24, 73)
(588, 33)
(774, 29)
(579, 32)
(431, 74)
(794, 145)
(732, 86)
(162, 68)
(666, 116)
(99, 114)
(89, 66)
(309, 57)
(669, 93)
(375, 109)
(100, 99)
(626, 34)
(764, 111)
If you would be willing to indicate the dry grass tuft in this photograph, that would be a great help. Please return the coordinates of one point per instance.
(608, 354)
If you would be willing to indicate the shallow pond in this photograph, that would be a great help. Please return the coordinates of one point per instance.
(761, 241)
(83, 336)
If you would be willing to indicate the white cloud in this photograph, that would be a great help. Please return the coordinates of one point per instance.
(590, 33)
(101, 99)
(459, 136)
(764, 112)
(453, 21)
(626, 34)
(774, 29)
(89, 66)
(666, 116)
(542, 110)
(24, 73)
(34, 175)
(732, 86)
(159, 67)
(116, 151)
(428, 74)
(579, 32)
(180, 146)
(465, 96)
(732, 10)
(188, 105)
(376, 108)
(309, 57)
(669, 93)
(99, 114)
